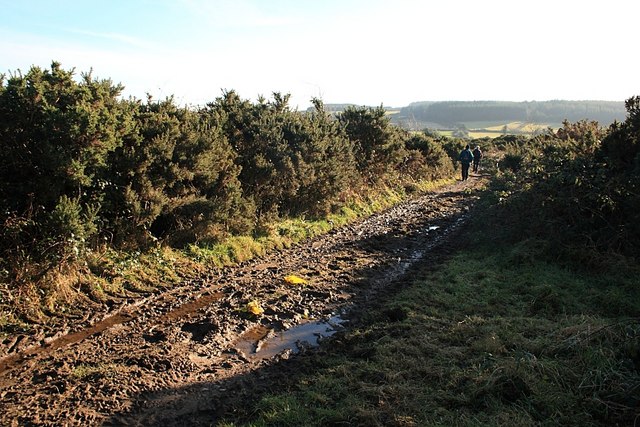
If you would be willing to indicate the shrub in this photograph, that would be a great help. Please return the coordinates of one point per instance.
(578, 185)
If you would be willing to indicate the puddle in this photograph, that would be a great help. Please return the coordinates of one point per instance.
(191, 307)
(16, 359)
(416, 255)
(264, 343)
(13, 360)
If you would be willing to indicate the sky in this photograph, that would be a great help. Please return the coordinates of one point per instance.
(365, 52)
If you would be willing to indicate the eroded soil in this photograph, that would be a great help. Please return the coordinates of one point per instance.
(182, 357)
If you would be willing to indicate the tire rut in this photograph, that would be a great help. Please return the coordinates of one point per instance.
(183, 351)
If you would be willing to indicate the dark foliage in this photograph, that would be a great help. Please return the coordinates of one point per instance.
(55, 135)
(576, 188)
(430, 157)
(377, 144)
(80, 167)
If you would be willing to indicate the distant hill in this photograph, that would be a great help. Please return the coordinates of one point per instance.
(336, 108)
(452, 114)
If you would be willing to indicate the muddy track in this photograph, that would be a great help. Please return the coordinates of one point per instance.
(176, 358)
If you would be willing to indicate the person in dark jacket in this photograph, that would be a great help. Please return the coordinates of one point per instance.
(477, 155)
(465, 157)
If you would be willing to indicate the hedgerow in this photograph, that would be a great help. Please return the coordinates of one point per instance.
(81, 167)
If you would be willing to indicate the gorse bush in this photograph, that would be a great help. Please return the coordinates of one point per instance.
(79, 166)
(178, 173)
(578, 184)
(377, 145)
(55, 136)
(617, 176)
(427, 157)
(290, 163)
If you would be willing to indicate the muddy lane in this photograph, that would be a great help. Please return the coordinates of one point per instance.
(172, 359)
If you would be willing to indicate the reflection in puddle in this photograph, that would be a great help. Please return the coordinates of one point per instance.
(265, 344)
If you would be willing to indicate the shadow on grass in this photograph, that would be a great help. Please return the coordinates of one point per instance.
(211, 400)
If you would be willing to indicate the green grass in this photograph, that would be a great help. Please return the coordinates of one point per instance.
(478, 130)
(287, 232)
(491, 338)
(110, 274)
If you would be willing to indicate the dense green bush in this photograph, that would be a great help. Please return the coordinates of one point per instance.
(578, 185)
(55, 137)
(291, 163)
(178, 174)
(617, 178)
(378, 145)
(324, 161)
(267, 172)
(427, 157)
(80, 166)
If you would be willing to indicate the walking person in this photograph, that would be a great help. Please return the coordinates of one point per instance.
(466, 157)
(477, 155)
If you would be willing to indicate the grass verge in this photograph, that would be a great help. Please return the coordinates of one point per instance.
(289, 231)
(494, 336)
(106, 276)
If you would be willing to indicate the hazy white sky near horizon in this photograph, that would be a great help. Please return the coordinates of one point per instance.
(366, 52)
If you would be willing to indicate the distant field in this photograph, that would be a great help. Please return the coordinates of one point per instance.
(475, 135)
(521, 127)
(484, 125)
(495, 129)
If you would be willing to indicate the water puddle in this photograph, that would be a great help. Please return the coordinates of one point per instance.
(412, 257)
(51, 344)
(14, 360)
(199, 302)
(264, 343)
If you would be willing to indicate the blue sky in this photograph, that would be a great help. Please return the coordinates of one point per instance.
(369, 52)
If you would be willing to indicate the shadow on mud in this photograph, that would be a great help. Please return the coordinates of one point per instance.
(276, 358)
(207, 402)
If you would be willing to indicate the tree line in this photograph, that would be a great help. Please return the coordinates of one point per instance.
(449, 113)
(79, 166)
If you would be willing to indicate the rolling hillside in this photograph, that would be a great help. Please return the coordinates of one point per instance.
(494, 115)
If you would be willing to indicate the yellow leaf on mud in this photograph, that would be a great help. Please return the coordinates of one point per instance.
(294, 280)
(254, 308)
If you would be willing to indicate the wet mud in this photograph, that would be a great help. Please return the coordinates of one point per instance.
(183, 357)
